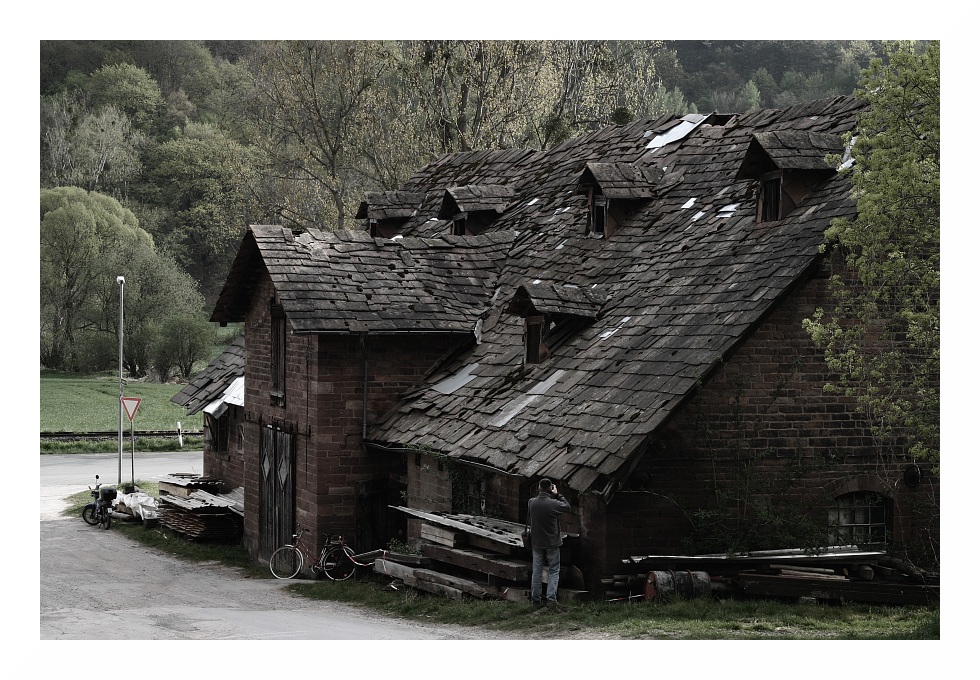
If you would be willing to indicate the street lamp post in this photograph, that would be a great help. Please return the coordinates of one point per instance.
(121, 280)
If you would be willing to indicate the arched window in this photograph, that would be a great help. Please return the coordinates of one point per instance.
(860, 518)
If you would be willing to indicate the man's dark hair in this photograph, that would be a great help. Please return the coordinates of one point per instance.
(544, 484)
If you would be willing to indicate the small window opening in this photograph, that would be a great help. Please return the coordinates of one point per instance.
(277, 385)
(770, 193)
(597, 221)
(469, 490)
(535, 350)
(373, 228)
(216, 431)
(861, 518)
(459, 225)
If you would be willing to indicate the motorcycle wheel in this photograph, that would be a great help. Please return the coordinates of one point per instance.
(106, 519)
(88, 514)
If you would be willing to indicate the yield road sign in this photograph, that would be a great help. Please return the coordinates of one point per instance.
(131, 404)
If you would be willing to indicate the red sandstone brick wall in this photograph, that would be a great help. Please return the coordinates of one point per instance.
(765, 412)
(325, 407)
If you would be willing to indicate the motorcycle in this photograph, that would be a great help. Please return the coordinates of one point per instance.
(99, 511)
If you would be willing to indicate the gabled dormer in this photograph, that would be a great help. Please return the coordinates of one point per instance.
(788, 165)
(386, 212)
(553, 313)
(614, 190)
(474, 207)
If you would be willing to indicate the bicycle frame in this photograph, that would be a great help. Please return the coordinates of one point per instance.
(337, 560)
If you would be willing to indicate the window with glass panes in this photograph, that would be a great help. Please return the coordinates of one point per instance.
(859, 518)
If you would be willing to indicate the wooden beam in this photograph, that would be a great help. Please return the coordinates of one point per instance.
(502, 567)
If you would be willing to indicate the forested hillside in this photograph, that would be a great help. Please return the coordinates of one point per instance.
(156, 154)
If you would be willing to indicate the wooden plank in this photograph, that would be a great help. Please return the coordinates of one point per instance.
(812, 570)
(394, 569)
(492, 545)
(854, 591)
(434, 581)
(467, 586)
(507, 533)
(441, 535)
(475, 560)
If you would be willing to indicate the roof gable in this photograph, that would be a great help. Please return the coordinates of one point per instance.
(621, 180)
(475, 198)
(790, 150)
(387, 205)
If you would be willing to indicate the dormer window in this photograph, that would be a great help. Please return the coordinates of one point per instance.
(788, 165)
(385, 213)
(473, 208)
(553, 313)
(614, 190)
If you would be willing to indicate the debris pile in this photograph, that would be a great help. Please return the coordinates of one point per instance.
(838, 574)
(201, 509)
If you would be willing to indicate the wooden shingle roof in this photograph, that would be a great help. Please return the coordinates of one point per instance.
(212, 382)
(350, 282)
(687, 276)
(621, 180)
(540, 297)
(790, 150)
(475, 198)
(384, 205)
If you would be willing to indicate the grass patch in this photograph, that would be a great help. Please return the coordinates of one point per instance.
(705, 619)
(86, 403)
(144, 444)
(82, 403)
(678, 619)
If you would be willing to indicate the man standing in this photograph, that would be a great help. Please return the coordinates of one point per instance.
(542, 514)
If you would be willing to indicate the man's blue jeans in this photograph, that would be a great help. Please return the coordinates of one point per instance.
(540, 557)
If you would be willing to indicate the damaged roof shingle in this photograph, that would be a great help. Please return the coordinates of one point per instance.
(679, 293)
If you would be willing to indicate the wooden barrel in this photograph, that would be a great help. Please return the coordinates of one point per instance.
(687, 584)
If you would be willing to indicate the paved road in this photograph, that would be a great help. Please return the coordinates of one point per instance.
(97, 584)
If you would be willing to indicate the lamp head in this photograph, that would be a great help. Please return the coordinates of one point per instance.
(120, 280)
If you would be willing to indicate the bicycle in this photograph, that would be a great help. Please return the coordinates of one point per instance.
(337, 560)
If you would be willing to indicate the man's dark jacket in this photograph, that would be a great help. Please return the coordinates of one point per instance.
(542, 512)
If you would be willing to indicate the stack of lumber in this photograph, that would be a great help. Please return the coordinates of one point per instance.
(183, 483)
(203, 516)
(473, 556)
(841, 574)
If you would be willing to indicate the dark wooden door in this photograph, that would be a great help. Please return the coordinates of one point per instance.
(277, 504)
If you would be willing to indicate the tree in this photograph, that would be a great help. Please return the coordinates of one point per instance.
(87, 240)
(96, 149)
(82, 234)
(309, 105)
(882, 338)
(128, 88)
(185, 340)
(204, 179)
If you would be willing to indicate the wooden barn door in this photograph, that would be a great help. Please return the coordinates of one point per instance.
(277, 504)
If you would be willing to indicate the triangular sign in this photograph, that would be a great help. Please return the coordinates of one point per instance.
(131, 404)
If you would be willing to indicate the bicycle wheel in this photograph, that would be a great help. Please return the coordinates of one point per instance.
(286, 562)
(106, 519)
(88, 514)
(337, 563)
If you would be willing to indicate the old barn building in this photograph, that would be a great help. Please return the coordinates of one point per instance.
(621, 313)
